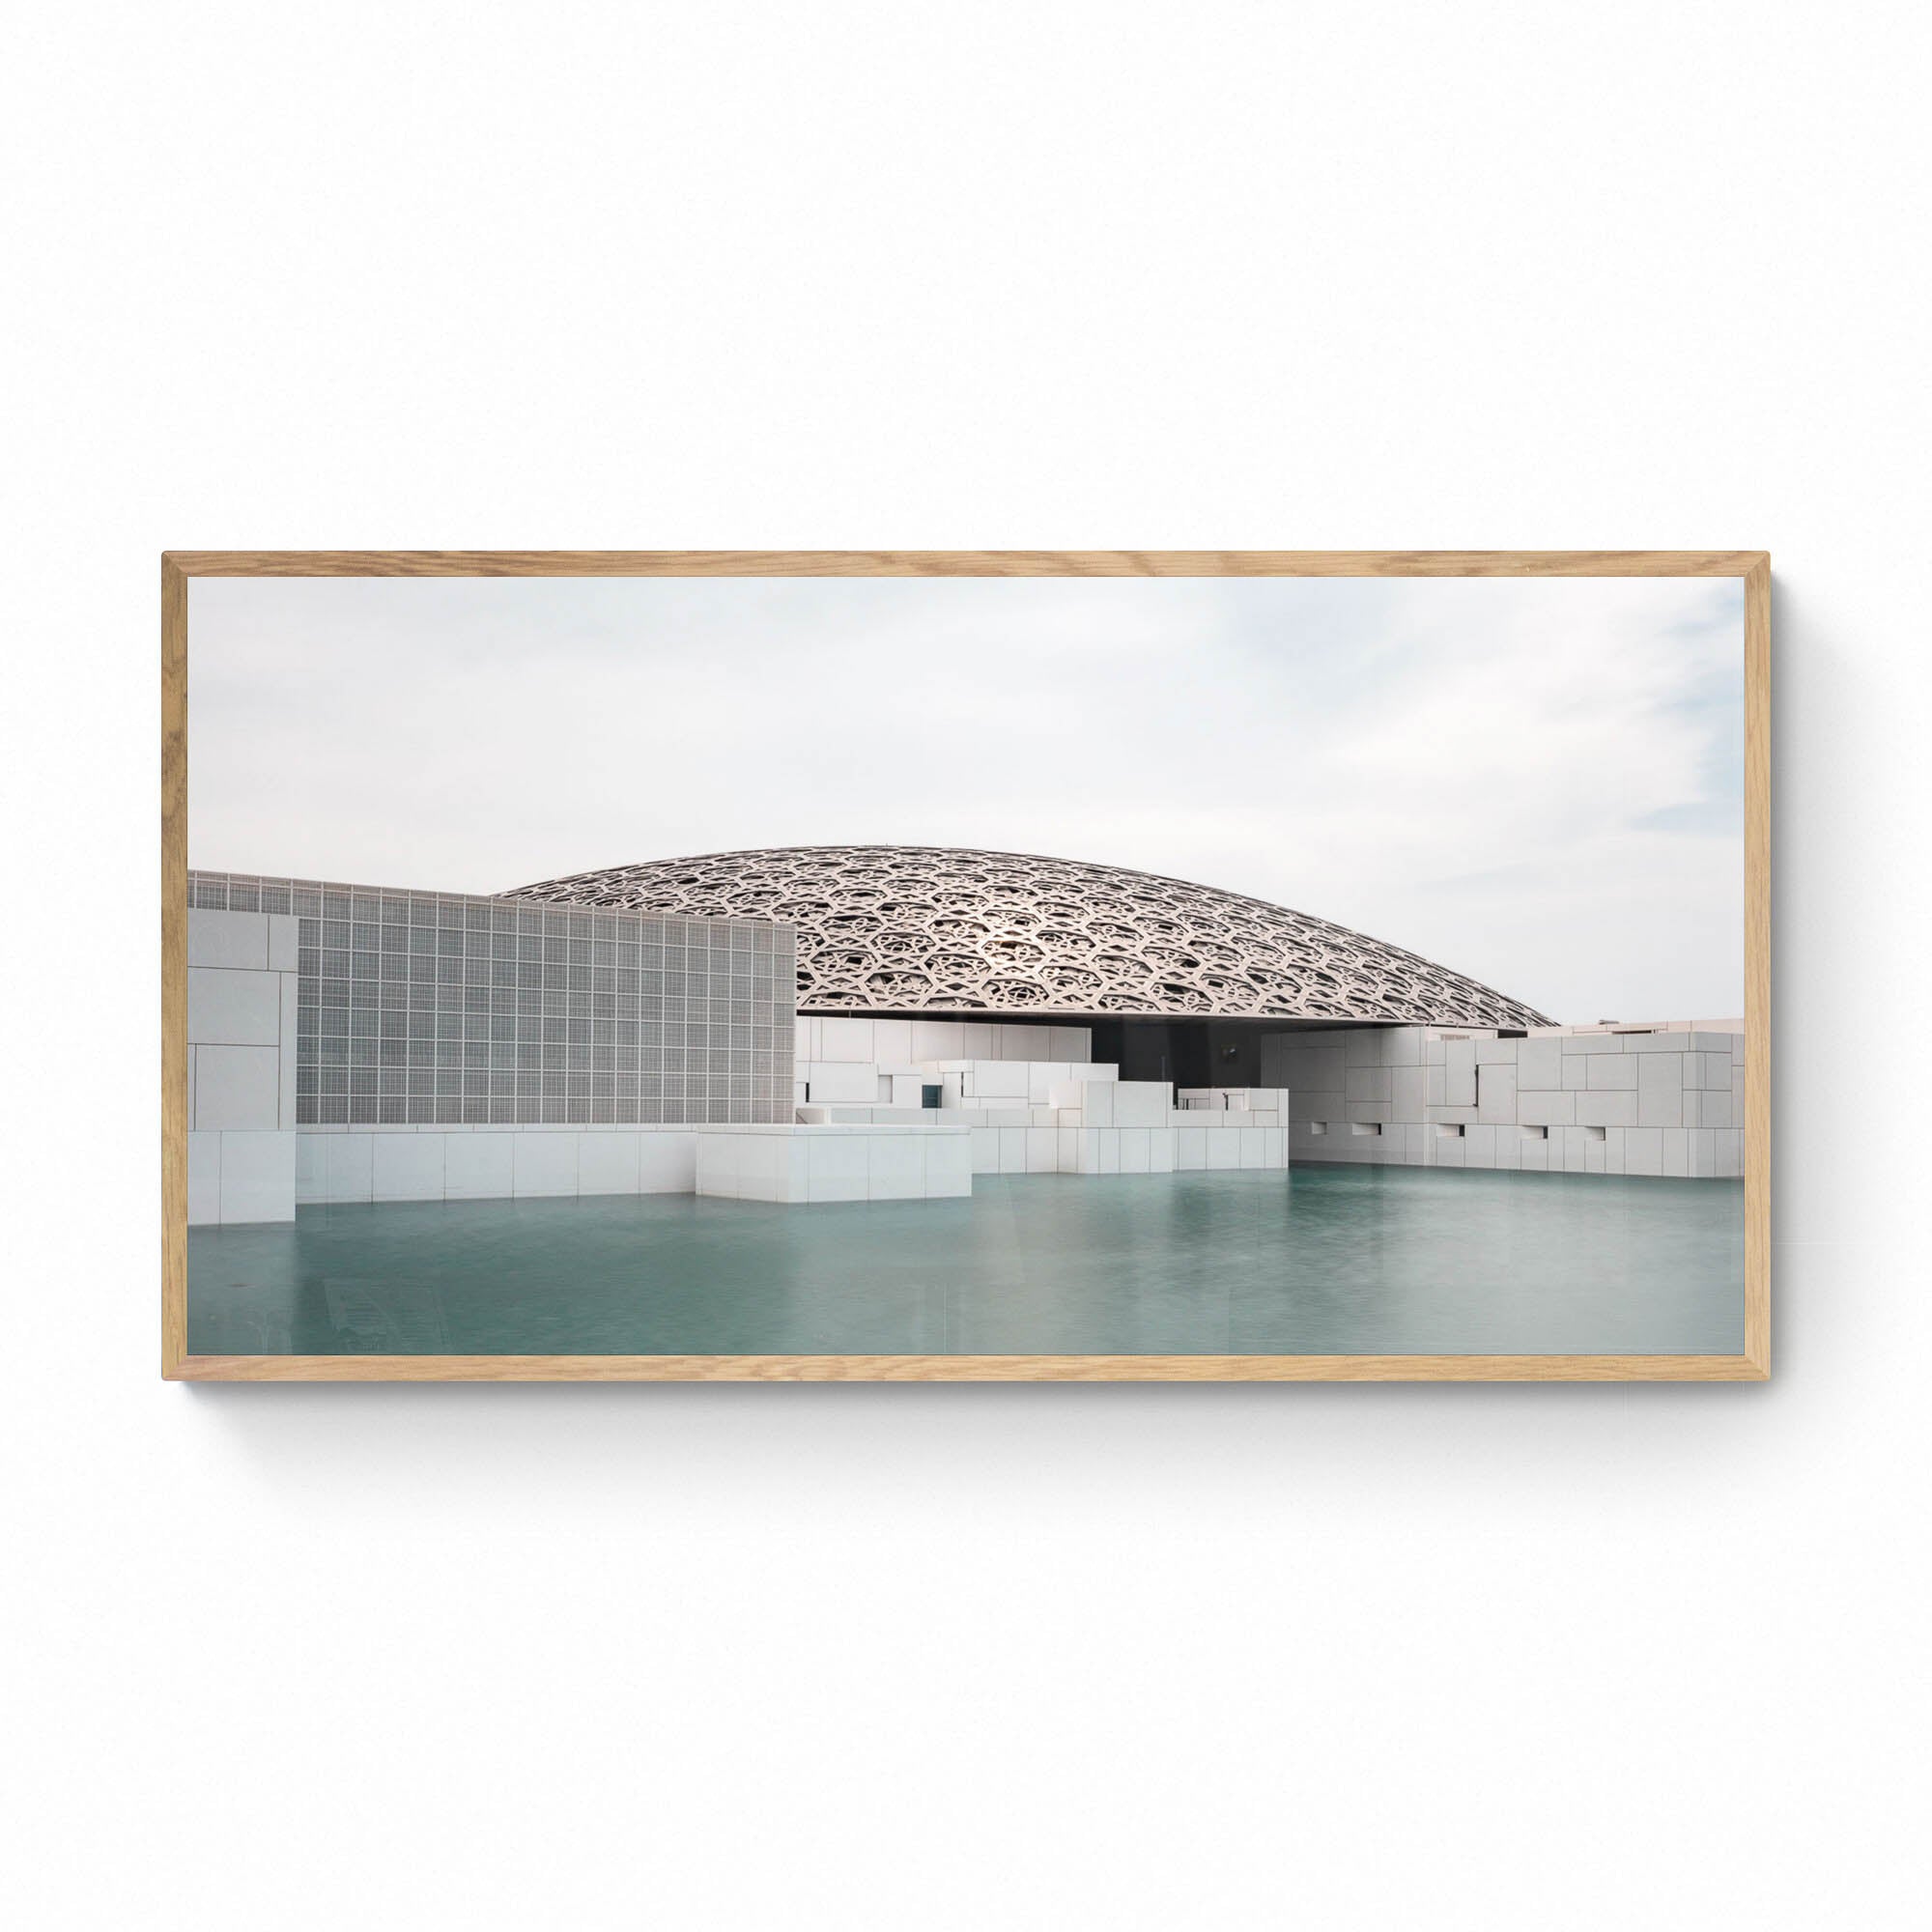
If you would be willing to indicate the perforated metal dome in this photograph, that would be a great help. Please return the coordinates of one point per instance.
(921, 928)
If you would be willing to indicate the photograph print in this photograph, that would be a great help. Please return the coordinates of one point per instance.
(641, 967)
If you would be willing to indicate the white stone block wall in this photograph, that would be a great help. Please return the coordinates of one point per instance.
(339, 1165)
(1666, 1101)
(241, 1067)
(839, 1083)
(1048, 1117)
(1097, 1124)
(832, 1037)
(804, 1165)
(336, 1165)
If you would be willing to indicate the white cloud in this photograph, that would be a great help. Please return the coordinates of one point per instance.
(1487, 771)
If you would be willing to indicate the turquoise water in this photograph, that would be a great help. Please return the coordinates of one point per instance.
(1317, 1260)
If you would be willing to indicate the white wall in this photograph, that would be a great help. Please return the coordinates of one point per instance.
(821, 1164)
(497, 1657)
(841, 1037)
(1664, 1103)
(240, 1067)
(351, 1164)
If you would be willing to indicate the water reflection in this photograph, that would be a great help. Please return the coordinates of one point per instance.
(1317, 1260)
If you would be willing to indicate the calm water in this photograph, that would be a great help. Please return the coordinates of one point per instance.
(1318, 1261)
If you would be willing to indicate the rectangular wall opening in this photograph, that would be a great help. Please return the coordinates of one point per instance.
(1449, 1130)
(1536, 1133)
(1318, 1126)
(1365, 1127)
(1595, 1133)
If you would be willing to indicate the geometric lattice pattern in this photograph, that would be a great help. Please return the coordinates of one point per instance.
(912, 928)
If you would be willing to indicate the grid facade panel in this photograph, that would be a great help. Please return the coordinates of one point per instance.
(445, 1008)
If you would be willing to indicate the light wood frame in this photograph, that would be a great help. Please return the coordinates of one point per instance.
(1752, 567)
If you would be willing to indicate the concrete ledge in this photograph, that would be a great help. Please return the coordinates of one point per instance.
(337, 1165)
(240, 1177)
(815, 1163)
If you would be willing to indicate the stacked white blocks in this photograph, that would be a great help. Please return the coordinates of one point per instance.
(852, 1060)
(996, 1093)
(1581, 1102)
(1052, 1118)
(241, 1067)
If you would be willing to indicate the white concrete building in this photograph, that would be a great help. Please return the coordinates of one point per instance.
(836, 1023)
(1665, 1099)
(1032, 1116)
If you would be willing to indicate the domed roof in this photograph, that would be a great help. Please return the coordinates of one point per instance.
(923, 929)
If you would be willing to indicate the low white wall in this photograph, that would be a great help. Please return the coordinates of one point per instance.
(349, 1164)
(1091, 1151)
(967, 1083)
(241, 1067)
(1583, 1101)
(801, 1165)
(848, 1036)
(1093, 1125)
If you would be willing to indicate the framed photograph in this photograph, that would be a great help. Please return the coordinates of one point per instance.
(966, 965)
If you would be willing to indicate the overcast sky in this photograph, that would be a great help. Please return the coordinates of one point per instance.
(1539, 783)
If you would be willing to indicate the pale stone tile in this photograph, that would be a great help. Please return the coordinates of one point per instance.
(547, 1163)
(237, 939)
(407, 1166)
(346, 1164)
(892, 1042)
(204, 1179)
(1546, 1109)
(284, 942)
(479, 1167)
(1661, 1089)
(258, 1176)
(1497, 1093)
(608, 1163)
(238, 1088)
(1402, 1047)
(1539, 1065)
(1614, 1109)
(234, 1008)
(896, 1166)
